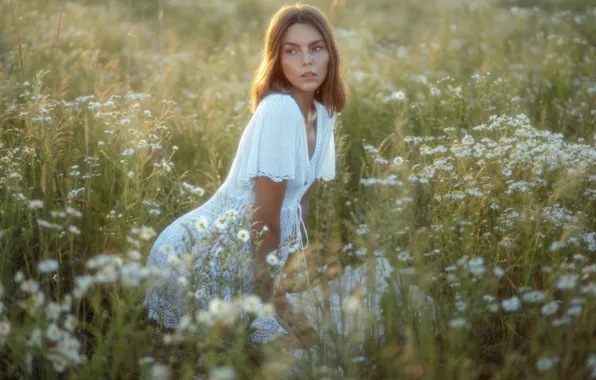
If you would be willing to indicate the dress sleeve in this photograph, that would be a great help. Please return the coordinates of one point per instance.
(271, 146)
(326, 167)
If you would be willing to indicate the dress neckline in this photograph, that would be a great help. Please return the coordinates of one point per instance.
(310, 160)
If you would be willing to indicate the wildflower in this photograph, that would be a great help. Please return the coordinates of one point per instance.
(74, 230)
(221, 223)
(403, 256)
(533, 296)
(476, 266)
(252, 303)
(493, 307)
(231, 214)
(590, 288)
(398, 161)
(567, 281)
(47, 266)
(74, 212)
(468, 140)
(99, 261)
(144, 232)
(272, 259)
(35, 204)
(146, 360)
(70, 323)
(54, 333)
(461, 305)
(4, 328)
(30, 286)
(498, 271)
(218, 307)
(222, 373)
(35, 339)
(398, 95)
(545, 363)
(574, 310)
(351, 305)
(106, 274)
(52, 311)
(243, 235)
(199, 294)
(511, 304)
(591, 360)
(550, 308)
(160, 372)
(458, 323)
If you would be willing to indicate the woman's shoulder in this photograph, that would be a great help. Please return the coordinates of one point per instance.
(279, 102)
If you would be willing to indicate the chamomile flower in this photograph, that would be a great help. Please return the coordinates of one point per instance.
(47, 266)
(221, 223)
(243, 235)
(550, 308)
(511, 304)
(272, 260)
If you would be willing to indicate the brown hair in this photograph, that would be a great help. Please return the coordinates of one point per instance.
(333, 92)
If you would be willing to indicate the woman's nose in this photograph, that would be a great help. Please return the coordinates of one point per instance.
(306, 59)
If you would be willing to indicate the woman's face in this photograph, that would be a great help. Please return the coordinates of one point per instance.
(304, 51)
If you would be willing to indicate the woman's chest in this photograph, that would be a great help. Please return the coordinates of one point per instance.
(311, 137)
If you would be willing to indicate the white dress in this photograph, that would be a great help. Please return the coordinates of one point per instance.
(273, 144)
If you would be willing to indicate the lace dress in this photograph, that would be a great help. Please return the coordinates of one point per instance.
(273, 144)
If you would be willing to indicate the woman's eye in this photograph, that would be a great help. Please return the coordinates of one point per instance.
(291, 52)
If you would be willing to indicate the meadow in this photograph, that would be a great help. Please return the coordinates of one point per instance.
(466, 160)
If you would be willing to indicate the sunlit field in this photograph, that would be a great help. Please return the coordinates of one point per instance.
(466, 168)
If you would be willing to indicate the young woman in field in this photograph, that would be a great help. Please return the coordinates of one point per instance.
(288, 143)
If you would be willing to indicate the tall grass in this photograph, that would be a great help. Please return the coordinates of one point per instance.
(466, 167)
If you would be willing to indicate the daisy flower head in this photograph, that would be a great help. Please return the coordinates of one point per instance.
(231, 214)
(201, 224)
(272, 260)
(398, 161)
(550, 308)
(221, 223)
(199, 294)
(47, 266)
(511, 304)
(568, 281)
(243, 235)
(30, 286)
(4, 328)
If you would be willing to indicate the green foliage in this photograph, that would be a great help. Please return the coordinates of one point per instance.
(465, 164)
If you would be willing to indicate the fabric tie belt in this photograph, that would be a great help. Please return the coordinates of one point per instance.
(299, 226)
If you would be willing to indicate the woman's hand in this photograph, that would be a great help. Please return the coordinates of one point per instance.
(282, 309)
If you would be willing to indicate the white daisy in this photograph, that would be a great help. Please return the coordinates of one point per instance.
(243, 235)
(550, 308)
(568, 281)
(221, 223)
(272, 260)
(4, 328)
(47, 266)
(511, 304)
(30, 286)
(202, 223)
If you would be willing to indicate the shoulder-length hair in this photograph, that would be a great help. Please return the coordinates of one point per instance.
(333, 92)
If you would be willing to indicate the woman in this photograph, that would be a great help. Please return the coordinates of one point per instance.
(288, 144)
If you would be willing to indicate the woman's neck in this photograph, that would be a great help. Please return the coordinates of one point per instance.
(305, 101)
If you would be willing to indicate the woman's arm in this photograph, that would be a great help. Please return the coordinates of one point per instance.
(269, 197)
(305, 202)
